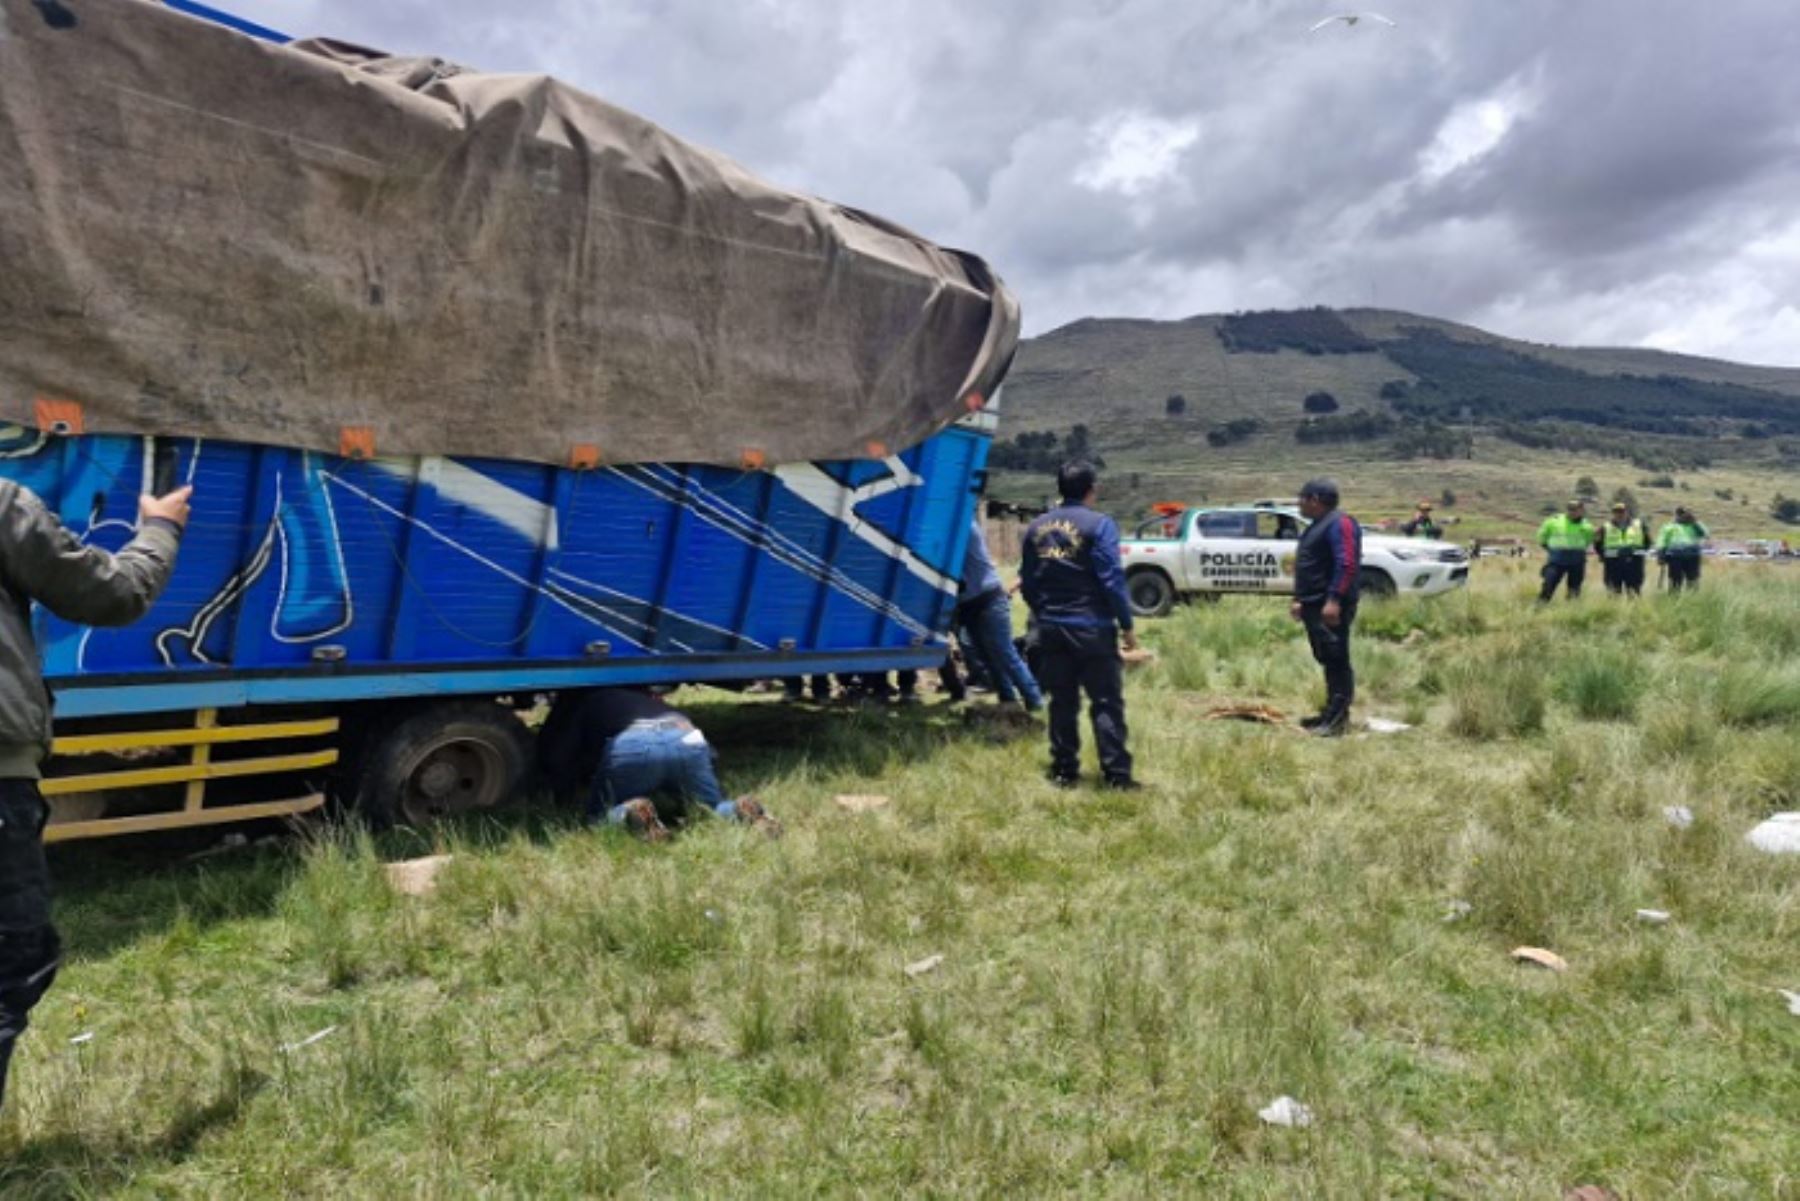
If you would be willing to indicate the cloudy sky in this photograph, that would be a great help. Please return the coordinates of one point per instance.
(1576, 171)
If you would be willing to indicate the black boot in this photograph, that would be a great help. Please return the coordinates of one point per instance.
(1334, 722)
(1313, 722)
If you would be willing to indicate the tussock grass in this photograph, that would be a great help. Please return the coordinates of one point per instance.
(1498, 694)
(1756, 694)
(1126, 978)
(1601, 683)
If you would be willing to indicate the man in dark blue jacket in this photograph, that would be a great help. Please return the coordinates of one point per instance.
(1073, 581)
(1327, 571)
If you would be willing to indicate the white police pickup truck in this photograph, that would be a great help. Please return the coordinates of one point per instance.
(1184, 553)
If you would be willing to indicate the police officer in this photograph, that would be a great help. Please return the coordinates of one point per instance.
(42, 562)
(1679, 549)
(1075, 585)
(1567, 537)
(1622, 545)
(1327, 576)
(1422, 525)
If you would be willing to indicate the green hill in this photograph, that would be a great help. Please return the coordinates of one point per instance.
(1403, 406)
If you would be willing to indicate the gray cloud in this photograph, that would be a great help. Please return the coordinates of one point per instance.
(1607, 170)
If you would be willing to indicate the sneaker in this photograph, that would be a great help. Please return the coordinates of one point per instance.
(1065, 779)
(1313, 722)
(1123, 784)
(642, 821)
(750, 811)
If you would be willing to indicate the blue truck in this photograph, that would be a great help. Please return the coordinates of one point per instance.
(375, 624)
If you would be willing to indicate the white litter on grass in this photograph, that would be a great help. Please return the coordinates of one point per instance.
(1285, 1111)
(1654, 917)
(1679, 816)
(930, 963)
(1780, 835)
(1793, 1000)
(1457, 910)
(309, 1040)
(1383, 725)
(86, 1036)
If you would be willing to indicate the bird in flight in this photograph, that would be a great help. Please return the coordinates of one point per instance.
(1352, 19)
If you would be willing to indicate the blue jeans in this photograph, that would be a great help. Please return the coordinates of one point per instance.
(651, 759)
(989, 619)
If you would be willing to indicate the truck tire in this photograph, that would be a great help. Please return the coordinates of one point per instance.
(1152, 593)
(1378, 583)
(444, 759)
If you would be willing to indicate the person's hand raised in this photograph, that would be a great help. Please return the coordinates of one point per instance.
(173, 507)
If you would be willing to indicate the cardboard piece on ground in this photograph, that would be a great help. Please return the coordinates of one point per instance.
(1266, 715)
(416, 877)
(930, 963)
(1541, 957)
(860, 804)
(1653, 917)
(1780, 835)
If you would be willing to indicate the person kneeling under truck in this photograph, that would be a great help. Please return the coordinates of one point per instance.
(635, 750)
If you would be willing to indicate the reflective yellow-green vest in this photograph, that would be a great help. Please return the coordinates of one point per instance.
(1682, 538)
(1560, 533)
(1633, 538)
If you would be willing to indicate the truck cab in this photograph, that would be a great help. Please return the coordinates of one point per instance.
(1183, 553)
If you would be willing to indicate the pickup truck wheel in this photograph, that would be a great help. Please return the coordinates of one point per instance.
(450, 758)
(1152, 594)
(1378, 584)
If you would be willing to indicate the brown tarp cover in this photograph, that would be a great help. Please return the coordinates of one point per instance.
(205, 234)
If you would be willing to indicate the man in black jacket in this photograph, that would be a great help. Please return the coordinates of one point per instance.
(42, 562)
(1327, 571)
(1073, 580)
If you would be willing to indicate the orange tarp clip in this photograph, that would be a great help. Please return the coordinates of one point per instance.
(584, 456)
(356, 442)
(974, 402)
(59, 416)
(877, 450)
(754, 459)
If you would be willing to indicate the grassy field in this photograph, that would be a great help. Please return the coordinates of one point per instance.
(1125, 979)
(1500, 493)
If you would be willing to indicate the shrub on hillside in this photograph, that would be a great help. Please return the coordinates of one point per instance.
(1433, 441)
(1175, 406)
(1360, 426)
(1232, 432)
(1314, 331)
(1320, 402)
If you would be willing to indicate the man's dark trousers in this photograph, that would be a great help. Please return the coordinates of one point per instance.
(1331, 650)
(29, 948)
(1574, 571)
(1684, 571)
(1077, 659)
(1625, 574)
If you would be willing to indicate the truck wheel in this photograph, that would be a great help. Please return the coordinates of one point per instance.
(1151, 592)
(1378, 584)
(450, 758)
